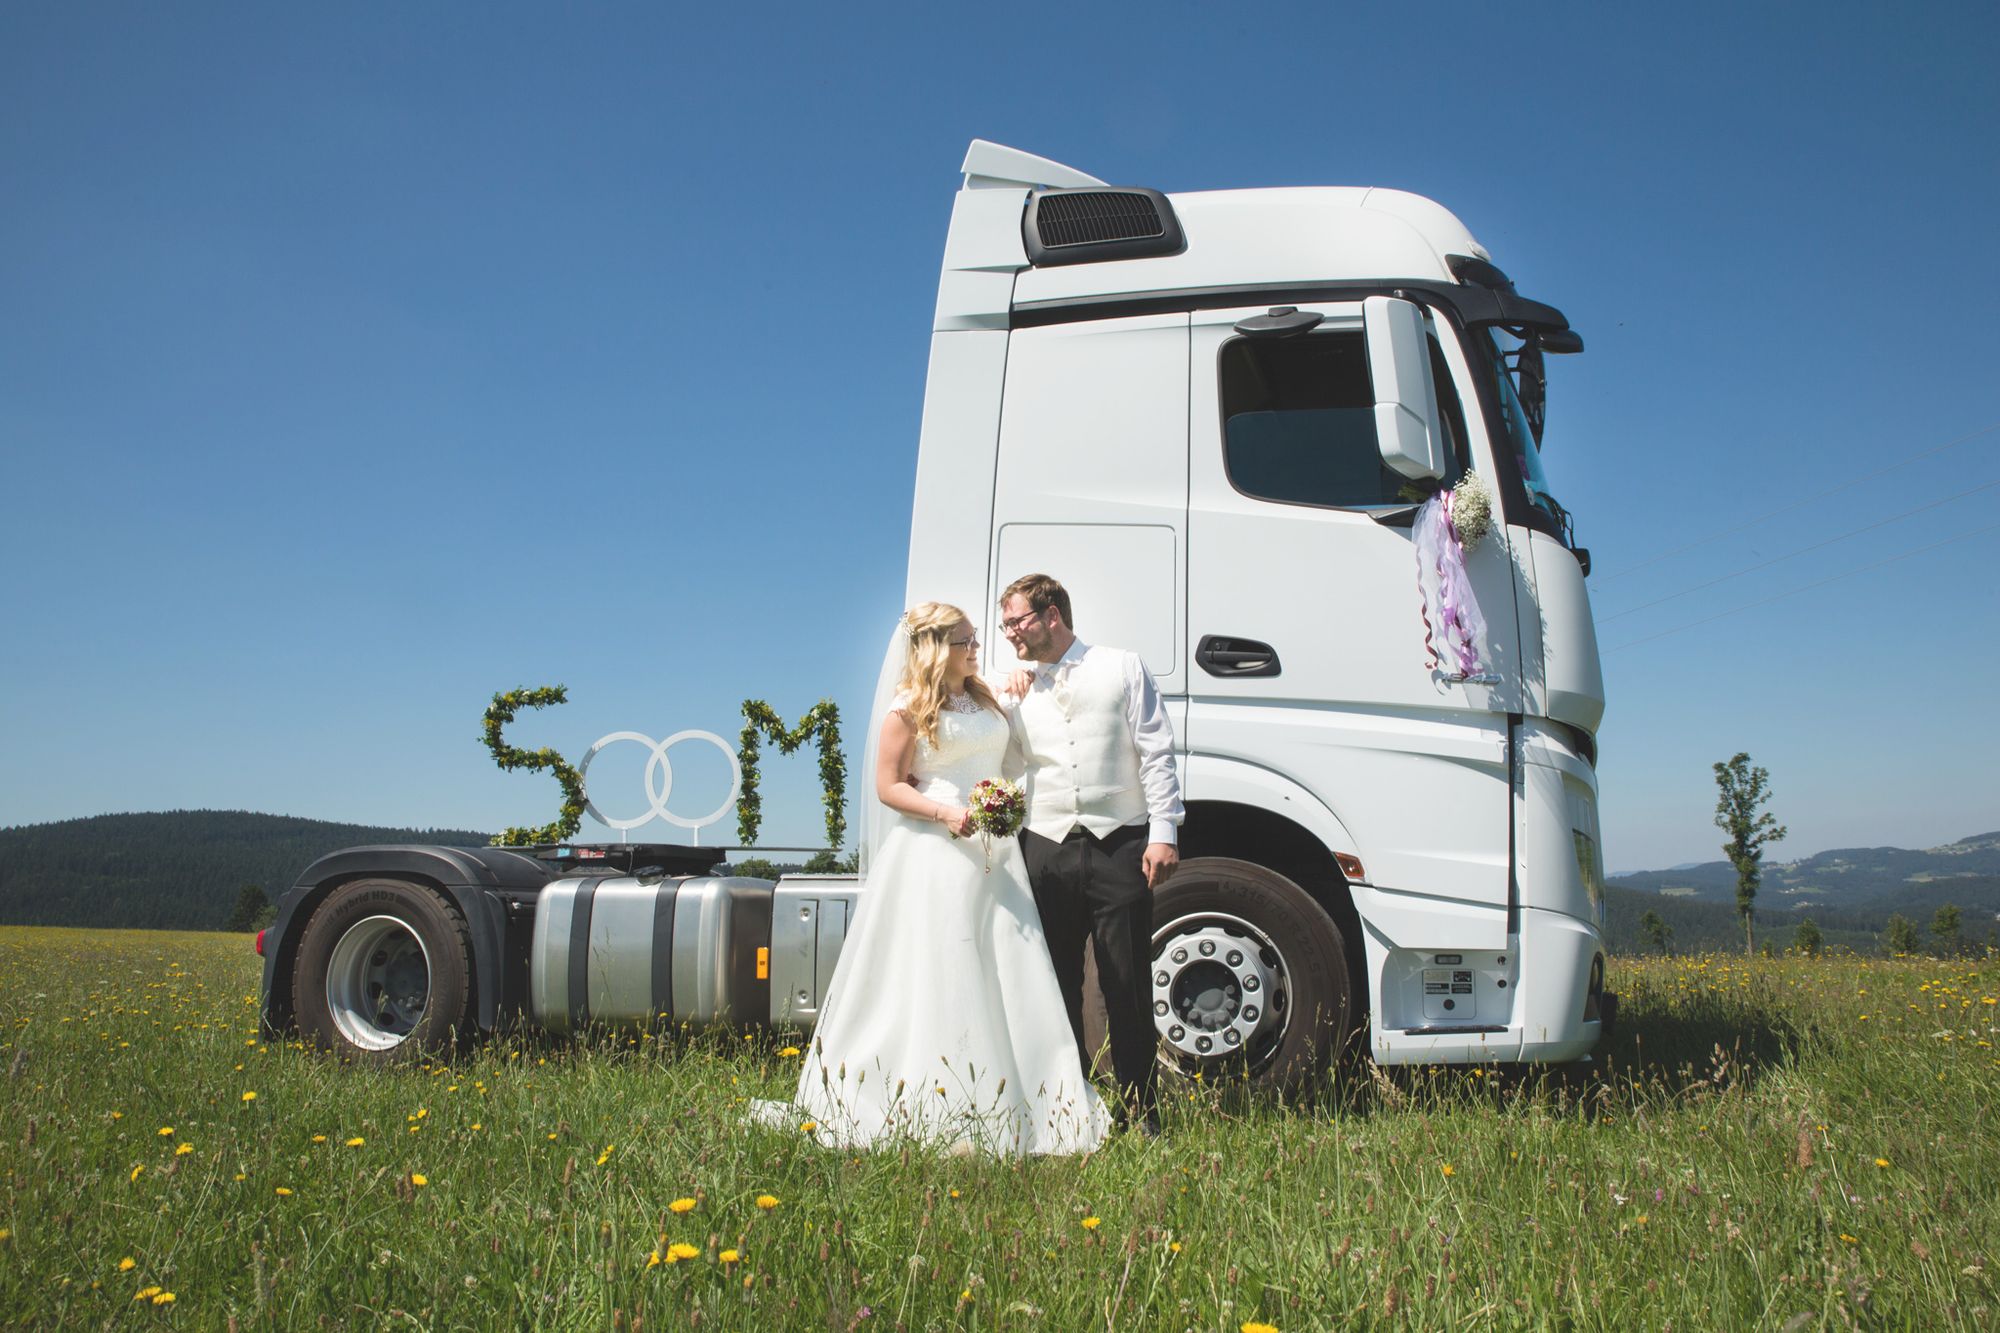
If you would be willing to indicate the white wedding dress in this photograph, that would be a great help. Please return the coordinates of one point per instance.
(944, 1024)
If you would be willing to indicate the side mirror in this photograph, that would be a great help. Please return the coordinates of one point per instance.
(1399, 364)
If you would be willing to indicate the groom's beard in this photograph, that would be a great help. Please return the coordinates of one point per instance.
(1037, 647)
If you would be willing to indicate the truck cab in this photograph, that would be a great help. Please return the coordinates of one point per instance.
(1203, 413)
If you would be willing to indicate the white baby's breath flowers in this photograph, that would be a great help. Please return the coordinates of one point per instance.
(1471, 510)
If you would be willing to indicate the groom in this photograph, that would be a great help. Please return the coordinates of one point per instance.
(1103, 805)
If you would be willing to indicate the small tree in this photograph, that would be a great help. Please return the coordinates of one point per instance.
(1807, 939)
(252, 910)
(1655, 929)
(1743, 788)
(832, 863)
(1945, 925)
(757, 867)
(1900, 936)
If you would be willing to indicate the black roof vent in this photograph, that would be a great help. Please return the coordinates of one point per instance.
(1084, 226)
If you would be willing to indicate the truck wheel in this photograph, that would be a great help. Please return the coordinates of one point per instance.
(384, 971)
(1249, 974)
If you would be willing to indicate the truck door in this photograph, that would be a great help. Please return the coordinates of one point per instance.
(1091, 484)
(1305, 635)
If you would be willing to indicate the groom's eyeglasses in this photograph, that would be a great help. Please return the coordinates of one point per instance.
(1014, 626)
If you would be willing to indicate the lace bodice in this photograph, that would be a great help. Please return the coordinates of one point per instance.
(971, 745)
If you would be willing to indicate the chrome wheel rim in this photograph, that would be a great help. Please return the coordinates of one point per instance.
(378, 983)
(1221, 991)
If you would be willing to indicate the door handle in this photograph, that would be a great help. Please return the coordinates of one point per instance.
(1225, 655)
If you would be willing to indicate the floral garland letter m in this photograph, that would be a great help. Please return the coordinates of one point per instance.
(824, 722)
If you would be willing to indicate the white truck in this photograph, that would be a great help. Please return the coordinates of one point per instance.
(1203, 413)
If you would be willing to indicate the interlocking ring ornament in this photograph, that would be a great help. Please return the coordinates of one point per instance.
(657, 790)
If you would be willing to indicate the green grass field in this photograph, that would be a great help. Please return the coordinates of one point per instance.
(1784, 1143)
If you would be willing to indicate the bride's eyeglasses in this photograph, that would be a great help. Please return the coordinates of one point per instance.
(971, 642)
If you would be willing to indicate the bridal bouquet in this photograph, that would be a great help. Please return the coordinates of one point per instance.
(999, 808)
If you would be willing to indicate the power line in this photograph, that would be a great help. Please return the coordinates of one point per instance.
(1766, 601)
(1786, 509)
(1766, 564)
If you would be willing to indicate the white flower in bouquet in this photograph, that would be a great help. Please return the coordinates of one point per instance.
(1470, 509)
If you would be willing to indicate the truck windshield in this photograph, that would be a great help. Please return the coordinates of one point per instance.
(1516, 438)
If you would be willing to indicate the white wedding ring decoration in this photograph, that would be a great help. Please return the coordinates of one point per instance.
(660, 780)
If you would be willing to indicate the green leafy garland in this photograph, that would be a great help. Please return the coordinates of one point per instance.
(502, 712)
(823, 721)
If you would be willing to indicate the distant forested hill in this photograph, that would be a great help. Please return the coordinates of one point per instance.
(1870, 878)
(175, 870)
(1849, 893)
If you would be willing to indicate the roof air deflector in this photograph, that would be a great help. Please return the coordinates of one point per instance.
(992, 166)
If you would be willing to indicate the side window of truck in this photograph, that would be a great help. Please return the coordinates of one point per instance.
(1298, 421)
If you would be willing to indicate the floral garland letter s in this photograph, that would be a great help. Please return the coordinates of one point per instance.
(505, 705)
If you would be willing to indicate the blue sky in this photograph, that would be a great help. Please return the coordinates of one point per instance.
(357, 362)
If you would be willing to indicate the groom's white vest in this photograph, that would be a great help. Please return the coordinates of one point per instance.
(1083, 764)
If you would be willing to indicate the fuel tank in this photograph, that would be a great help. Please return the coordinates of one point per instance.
(695, 949)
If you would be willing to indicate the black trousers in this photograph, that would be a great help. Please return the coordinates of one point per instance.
(1095, 889)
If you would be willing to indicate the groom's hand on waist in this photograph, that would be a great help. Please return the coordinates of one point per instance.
(1159, 862)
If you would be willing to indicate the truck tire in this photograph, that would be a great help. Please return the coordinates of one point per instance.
(384, 972)
(1249, 975)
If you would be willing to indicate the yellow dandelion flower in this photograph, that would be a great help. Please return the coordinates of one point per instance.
(241, 1176)
(769, 1201)
(419, 1179)
(1641, 1219)
(135, 1172)
(1254, 1327)
(127, 1264)
(1092, 1223)
(476, 1126)
(184, 1150)
(356, 1141)
(728, 1257)
(283, 1192)
(788, 1052)
(164, 1298)
(145, 1293)
(166, 1131)
(1446, 1168)
(249, 1096)
(809, 1126)
(680, 1250)
(681, 1206)
(1851, 1240)
(117, 1115)
(319, 1138)
(1174, 1246)
(1882, 1162)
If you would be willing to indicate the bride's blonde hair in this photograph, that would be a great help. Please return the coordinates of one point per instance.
(929, 625)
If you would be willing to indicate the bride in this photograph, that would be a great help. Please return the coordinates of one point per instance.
(944, 1023)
